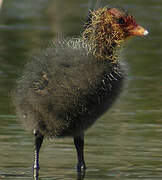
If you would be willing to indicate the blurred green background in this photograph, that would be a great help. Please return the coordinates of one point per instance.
(126, 143)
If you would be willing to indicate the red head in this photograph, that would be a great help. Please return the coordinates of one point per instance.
(107, 29)
(128, 23)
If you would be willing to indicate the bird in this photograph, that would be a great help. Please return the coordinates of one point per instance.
(70, 84)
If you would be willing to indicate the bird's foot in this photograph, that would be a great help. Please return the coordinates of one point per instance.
(81, 167)
(35, 172)
(81, 170)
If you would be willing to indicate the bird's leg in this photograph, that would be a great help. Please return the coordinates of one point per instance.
(38, 142)
(79, 144)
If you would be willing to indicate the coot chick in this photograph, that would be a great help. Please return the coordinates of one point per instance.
(65, 89)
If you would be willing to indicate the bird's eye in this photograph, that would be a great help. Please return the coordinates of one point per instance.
(120, 20)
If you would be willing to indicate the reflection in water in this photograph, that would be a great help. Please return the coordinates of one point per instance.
(81, 175)
(125, 143)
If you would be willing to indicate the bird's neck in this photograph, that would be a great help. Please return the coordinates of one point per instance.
(100, 36)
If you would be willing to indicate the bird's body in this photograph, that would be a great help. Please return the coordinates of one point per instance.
(64, 90)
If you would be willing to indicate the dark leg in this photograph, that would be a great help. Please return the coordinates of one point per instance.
(38, 143)
(79, 144)
(81, 175)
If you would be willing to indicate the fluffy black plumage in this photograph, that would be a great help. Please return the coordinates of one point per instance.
(65, 89)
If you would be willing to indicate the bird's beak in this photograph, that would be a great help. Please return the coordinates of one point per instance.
(138, 31)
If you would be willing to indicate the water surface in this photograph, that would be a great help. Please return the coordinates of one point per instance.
(125, 143)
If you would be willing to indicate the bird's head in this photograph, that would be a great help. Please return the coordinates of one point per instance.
(124, 22)
(107, 28)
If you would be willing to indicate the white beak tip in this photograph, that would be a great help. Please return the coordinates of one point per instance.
(145, 33)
